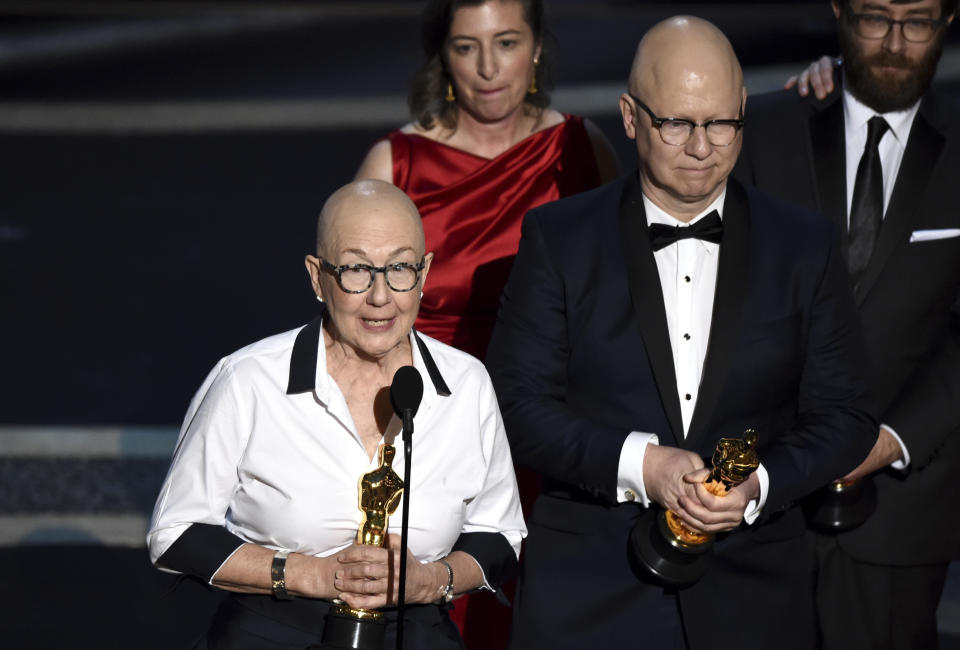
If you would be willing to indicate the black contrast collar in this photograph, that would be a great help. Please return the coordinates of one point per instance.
(303, 360)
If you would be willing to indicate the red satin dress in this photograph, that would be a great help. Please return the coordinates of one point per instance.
(472, 208)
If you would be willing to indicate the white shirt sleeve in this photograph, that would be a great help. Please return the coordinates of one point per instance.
(203, 472)
(630, 469)
(755, 506)
(905, 461)
(496, 508)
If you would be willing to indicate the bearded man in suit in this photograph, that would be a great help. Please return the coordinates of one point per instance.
(878, 585)
(642, 322)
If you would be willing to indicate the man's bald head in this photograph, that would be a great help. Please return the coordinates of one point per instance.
(366, 204)
(684, 70)
(684, 52)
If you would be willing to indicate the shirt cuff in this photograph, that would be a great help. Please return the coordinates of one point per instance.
(497, 593)
(755, 506)
(905, 461)
(630, 469)
(483, 575)
(495, 557)
(201, 550)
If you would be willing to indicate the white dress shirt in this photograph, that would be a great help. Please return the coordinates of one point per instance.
(688, 280)
(282, 470)
(891, 148)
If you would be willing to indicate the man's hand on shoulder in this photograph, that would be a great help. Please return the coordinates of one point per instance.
(885, 450)
(818, 76)
(663, 472)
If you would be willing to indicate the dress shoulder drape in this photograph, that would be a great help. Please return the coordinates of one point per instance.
(472, 208)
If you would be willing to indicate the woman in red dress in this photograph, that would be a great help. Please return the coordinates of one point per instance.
(483, 150)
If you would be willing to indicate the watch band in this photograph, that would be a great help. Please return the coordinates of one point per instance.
(278, 570)
(446, 593)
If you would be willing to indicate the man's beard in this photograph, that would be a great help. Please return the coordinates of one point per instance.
(886, 94)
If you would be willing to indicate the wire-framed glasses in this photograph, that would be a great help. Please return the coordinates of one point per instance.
(877, 26)
(677, 131)
(358, 278)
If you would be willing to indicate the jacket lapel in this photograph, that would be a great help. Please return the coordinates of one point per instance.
(924, 146)
(647, 296)
(829, 162)
(728, 298)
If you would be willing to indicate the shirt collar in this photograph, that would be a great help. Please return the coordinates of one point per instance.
(656, 215)
(856, 114)
(308, 363)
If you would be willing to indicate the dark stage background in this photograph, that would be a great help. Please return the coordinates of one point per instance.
(161, 164)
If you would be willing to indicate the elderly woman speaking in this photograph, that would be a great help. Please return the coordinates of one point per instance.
(262, 495)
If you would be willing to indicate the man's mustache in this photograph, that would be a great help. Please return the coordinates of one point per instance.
(890, 61)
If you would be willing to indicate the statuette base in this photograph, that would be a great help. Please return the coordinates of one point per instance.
(353, 629)
(841, 506)
(667, 559)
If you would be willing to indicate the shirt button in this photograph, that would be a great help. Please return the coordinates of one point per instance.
(630, 495)
(686, 337)
(686, 278)
(687, 397)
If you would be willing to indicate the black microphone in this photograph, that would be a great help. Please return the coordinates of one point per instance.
(406, 391)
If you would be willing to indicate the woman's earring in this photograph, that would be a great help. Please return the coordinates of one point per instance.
(533, 82)
(319, 298)
(450, 96)
(421, 295)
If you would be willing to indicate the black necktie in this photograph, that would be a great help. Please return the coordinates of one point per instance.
(866, 210)
(710, 228)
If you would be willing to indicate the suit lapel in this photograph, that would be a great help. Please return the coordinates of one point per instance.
(919, 160)
(647, 296)
(829, 162)
(725, 325)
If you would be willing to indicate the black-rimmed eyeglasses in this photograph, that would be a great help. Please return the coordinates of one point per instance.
(358, 278)
(877, 26)
(677, 131)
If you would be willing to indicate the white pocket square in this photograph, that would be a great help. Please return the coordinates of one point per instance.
(930, 235)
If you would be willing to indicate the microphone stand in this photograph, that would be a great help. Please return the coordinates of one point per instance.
(407, 453)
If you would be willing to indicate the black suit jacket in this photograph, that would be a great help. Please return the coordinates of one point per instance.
(580, 357)
(908, 302)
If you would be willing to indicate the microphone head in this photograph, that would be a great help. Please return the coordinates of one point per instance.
(406, 391)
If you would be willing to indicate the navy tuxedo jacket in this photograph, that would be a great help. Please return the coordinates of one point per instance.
(580, 357)
(909, 303)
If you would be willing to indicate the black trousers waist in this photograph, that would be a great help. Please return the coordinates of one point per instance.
(253, 621)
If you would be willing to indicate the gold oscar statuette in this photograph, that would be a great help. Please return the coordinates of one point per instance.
(733, 462)
(380, 492)
(670, 551)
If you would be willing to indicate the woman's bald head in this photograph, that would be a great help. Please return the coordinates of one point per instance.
(364, 205)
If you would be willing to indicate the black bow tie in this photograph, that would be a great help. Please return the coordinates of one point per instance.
(710, 228)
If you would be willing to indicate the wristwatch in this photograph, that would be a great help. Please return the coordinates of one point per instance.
(278, 570)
